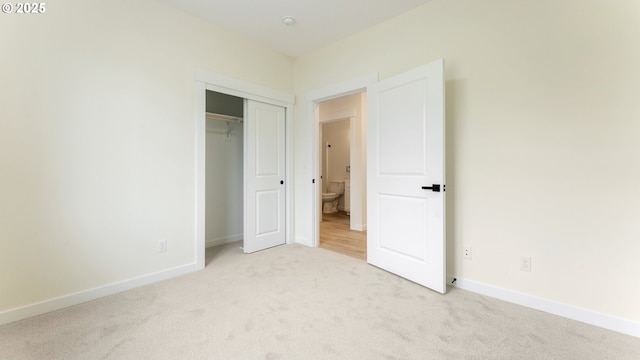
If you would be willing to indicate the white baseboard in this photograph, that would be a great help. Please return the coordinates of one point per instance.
(223, 240)
(303, 241)
(362, 227)
(607, 321)
(27, 311)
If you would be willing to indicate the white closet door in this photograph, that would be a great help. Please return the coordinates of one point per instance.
(264, 166)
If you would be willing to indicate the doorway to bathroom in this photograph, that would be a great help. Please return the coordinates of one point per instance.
(342, 190)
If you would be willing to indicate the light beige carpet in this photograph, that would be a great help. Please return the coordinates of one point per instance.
(294, 302)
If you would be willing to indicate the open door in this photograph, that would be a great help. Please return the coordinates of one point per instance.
(264, 167)
(405, 195)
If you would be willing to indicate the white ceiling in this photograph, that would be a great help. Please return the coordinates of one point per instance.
(318, 22)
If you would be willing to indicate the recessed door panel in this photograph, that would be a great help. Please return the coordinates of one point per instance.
(398, 229)
(267, 144)
(401, 129)
(267, 220)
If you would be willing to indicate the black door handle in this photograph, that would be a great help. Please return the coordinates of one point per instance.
(434, 188)
(281, 182)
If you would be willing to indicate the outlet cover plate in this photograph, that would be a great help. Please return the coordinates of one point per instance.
(466, 252)
(162, 245)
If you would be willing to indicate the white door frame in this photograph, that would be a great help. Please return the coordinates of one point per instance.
(206, 80)
(313, 99)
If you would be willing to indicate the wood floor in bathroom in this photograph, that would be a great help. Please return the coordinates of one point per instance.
(335, 235)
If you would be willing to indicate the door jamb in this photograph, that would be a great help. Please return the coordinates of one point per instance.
(206, 80)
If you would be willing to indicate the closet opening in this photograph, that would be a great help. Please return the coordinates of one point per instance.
(224, 198)
(243, 169)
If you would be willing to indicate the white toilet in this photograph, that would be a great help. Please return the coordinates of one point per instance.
(330, 199)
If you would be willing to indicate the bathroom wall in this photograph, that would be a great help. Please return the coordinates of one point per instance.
(336, 133)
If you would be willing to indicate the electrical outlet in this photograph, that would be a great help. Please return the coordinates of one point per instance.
(525, 263)
(466, 252)
(162, 245)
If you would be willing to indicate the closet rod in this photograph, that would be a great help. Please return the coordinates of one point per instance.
(220, 117)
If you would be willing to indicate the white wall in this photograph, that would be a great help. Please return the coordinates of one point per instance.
(224, 183)
(543, 138)
(97, 140)
(336, 133)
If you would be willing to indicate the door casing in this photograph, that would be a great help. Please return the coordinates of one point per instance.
(313, 99)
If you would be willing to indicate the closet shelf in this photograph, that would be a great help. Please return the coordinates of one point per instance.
(221, 117)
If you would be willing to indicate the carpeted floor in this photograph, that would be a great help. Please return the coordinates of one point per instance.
(295, 302)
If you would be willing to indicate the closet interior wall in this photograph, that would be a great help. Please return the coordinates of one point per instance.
(224, 169)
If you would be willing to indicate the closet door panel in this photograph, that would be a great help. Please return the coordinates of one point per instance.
(264, 176)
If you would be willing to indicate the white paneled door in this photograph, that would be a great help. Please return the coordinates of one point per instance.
(405, 162)
(264, 166)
